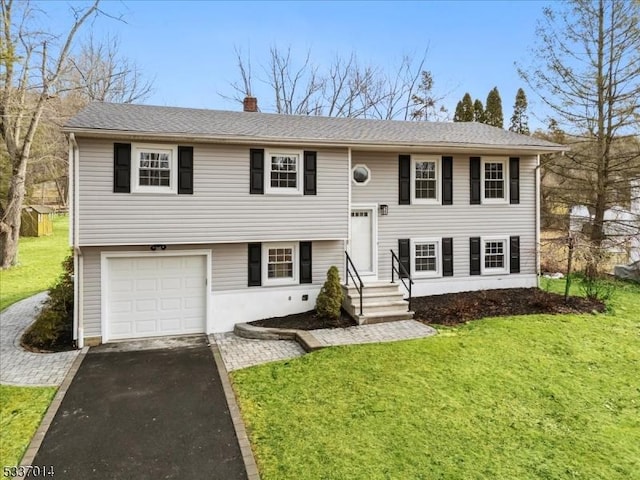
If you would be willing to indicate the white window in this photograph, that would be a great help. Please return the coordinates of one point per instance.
(495, 255)
(425, 174)
(494, 185)
(283, 172)
(279, 263)
(426, 257)
(154, 168)
(361, 174)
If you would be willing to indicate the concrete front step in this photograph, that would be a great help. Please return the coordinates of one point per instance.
(353, 308)
(384, 317)
(372, 288)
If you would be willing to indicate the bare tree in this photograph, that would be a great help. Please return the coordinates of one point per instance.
(588, 73)
(345, 88)
(100, 73)
(30, 73)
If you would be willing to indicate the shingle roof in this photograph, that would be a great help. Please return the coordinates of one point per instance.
(218, 124)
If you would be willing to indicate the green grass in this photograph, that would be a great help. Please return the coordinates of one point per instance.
(40, 260)
(21, 409)
(532, 397)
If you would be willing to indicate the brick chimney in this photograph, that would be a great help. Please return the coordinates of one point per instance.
(250, 104)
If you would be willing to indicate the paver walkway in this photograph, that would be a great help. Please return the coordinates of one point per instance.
(19, 367)
(240, 352)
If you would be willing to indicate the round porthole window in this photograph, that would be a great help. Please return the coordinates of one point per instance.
(361, 174)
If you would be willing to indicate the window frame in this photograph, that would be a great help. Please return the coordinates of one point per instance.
(438, 179)
(136, 149)
(505, 180)
(266, 281)
(421, 241)
(494, 270)
(268, 189)
(361, 165)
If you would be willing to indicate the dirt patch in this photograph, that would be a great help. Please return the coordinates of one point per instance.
(306, 321)
(454, 308)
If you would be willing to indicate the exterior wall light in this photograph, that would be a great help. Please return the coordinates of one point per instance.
(384, 209)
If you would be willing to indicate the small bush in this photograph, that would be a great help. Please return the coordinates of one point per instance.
(597, 288)
(330, 297)
(53, 329)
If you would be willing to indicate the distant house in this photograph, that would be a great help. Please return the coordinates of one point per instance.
(36, 221)
(190, 221)
(621, 226)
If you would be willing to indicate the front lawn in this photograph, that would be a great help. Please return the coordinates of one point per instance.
(529, 397)
(21, 409)
(39, 264)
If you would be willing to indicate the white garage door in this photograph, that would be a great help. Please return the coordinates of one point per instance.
(154, 296)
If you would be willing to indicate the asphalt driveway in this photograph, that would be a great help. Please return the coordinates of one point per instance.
(154, 414)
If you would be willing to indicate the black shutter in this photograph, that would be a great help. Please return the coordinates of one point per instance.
(447, 257)
(309, 173)
(256, 171)
(474, 259)
(447, 180)
(474, 176)
(514, 254)
(255, 264)
(404, 179)
(121, 167)
(185, 170)
(305, 262)
(514, 180)
(404, 255)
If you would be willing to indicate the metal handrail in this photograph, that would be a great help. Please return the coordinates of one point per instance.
(359, 288)
(394, 269)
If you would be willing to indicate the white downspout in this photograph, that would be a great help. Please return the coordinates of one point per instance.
(78, 260)
(348, 240)
(538, 193)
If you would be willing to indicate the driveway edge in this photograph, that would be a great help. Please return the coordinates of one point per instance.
(37, 439)
(241, 432)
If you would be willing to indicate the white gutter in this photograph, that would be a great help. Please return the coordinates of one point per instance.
(538, 193)
(74, 234)
(450, 147)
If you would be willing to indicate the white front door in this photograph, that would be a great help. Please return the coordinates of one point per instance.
(361, 247)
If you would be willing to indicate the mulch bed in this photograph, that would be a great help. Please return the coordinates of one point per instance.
(306, 321)
(455, 308)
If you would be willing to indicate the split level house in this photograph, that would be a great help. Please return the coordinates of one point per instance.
(190, 221)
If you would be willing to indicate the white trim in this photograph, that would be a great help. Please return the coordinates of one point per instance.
(268, 189)
(268, 282)
(438, 179)
(536, 175)
(361, 165)
(104, 281)
(412, 246)
(495, 271)
(505, 180)
(439, 286)
(373, 208)
(136, 148)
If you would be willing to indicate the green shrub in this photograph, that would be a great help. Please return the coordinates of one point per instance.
(53, 329)
(330, 297)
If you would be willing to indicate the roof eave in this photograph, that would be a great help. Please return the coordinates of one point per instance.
(454, 147)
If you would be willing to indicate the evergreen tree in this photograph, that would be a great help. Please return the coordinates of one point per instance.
(520, 119)
(464, 109)
(493, 113)
(478, 111)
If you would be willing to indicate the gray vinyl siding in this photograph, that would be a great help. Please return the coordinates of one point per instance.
(229, 272)
(220, 210)
(460, 220)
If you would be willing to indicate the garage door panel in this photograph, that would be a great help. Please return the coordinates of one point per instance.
(153, 296)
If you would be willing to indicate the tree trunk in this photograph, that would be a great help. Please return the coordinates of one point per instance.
(10, 228)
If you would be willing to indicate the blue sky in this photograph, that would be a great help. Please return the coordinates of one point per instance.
(188, 46)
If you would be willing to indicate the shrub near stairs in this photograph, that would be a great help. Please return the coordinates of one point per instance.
(52, 330)
(330, 297)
